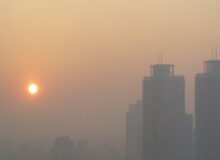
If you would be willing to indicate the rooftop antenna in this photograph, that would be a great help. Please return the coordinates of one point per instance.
(61, 132)
(216, 53)
(162, 58)
(212, 54)
(158, 59)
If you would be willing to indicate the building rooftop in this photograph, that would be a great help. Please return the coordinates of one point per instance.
(212, 66)
(161, 70)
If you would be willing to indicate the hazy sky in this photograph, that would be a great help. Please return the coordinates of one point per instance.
(90, 57)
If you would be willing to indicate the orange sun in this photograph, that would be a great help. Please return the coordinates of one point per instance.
(33, 88)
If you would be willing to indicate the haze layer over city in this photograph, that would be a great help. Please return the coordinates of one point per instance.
(89, 59)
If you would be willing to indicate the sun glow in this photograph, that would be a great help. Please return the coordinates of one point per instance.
(33, 88)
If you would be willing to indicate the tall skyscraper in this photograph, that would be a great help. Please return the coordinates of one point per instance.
(207, 112)
(134, 131)
(164, 117)
(188, 141)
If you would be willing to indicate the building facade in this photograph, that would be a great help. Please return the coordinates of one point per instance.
(134, 132)
(207, 112)
(164, 117)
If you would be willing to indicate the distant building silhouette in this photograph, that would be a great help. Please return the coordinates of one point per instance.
(30, 153)
(134, 132)
(207, 112)
(7, 151)
(164, 117)
(63, 149)
(188, 139)
(109, 152)
(84, 152)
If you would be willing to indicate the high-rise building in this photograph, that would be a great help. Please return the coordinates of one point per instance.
(207, 112)
(188, 139)
(134, 131)
(164, 117)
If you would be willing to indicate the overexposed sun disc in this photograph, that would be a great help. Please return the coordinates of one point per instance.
(33, 88)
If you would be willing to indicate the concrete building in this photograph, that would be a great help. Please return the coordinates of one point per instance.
(207, 112)
(189, 138)
(134, 131)
(164, 117)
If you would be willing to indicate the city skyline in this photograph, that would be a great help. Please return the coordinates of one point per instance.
(87, 59)
(96, 142)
